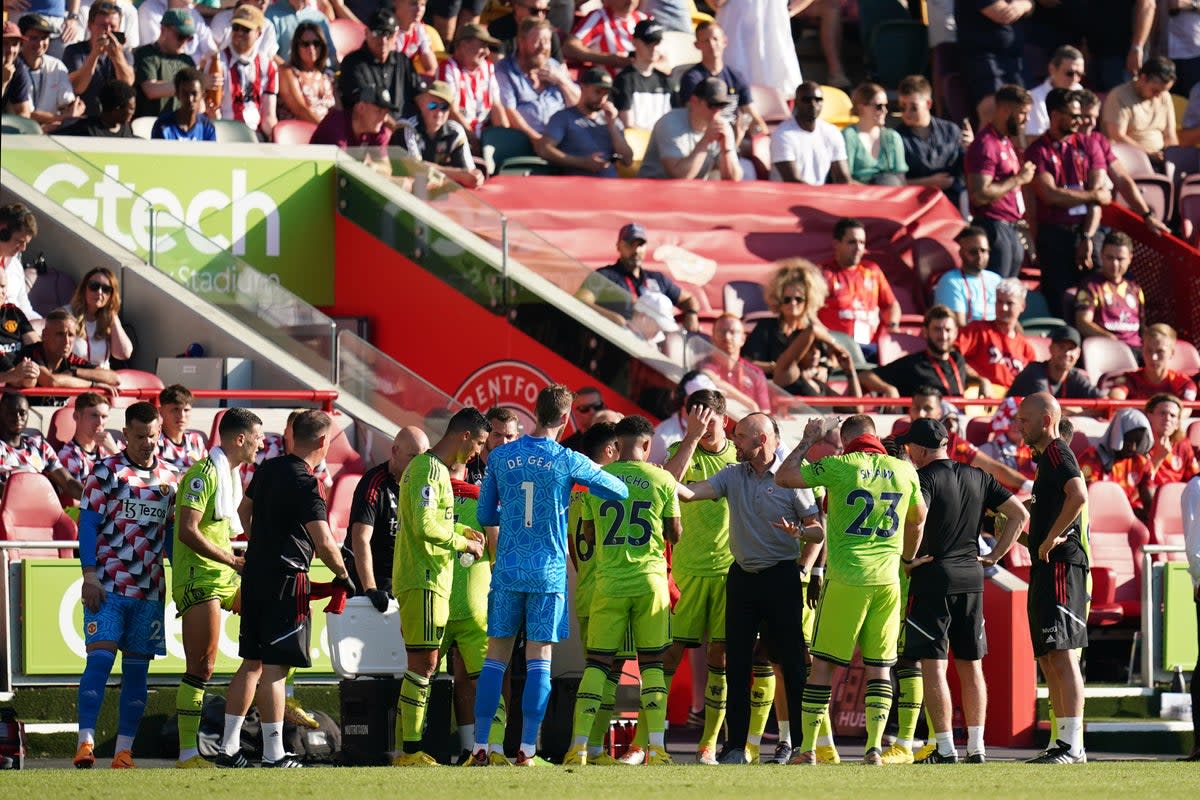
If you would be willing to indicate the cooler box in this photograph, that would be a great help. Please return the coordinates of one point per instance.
(364, 642)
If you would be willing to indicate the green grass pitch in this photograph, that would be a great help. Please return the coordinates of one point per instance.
(1150, 780)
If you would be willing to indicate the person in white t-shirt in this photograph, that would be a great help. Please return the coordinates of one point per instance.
(1066, 72)
(806, 148)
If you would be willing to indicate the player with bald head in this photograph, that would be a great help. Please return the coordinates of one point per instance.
(1059, 574)
(372, 540)
(763, 592)
(869, 497)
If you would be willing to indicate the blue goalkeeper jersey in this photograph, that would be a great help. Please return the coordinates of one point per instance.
(526, 492)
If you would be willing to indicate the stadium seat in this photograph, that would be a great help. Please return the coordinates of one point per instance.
(770, 103)
(347, 36)
(342, 456)
(873, 13)
(1159, 192)
(1134, 158)
(1166, 519)
(760, 155)
(1117, 538)
(139, 379)
(638, 140)
(1080, 443)
(230, 131)
(62, 426)
(435, 38)
(31, 512)
(501, 145)
(1040, 345)
(744, 298)
(1186, 358)
(979, 430)
(837, 108)
(293, 131)
(1193, 434)
(1189, 210)
(897, 344)
(931, 258)
(1103, 356)
(12, 123)
(339, 505)
(143, 126)
(680, 48)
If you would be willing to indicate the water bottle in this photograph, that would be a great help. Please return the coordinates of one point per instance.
(466, 559)
(1177, 684)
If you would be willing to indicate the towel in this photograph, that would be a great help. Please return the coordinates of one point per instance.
(867, 443)
(229, 491)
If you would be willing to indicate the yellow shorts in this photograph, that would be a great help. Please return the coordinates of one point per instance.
(867, 616)
(423, 617)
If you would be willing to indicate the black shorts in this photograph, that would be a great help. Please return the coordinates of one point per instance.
(985, 72)
(1058, 601)
(450, 9)
(938, 624)
(276, 626)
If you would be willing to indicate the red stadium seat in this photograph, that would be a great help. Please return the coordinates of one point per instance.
(931, 258)
(1166, 519)
(293, 131)
(1117, 538)
(342, 456)
(214, 435)
(136, 379)
(1103, 356)
(979, 430)
(1080, 443)
(894, 345)
(1041, 346)
(339, 504)
(62, 426)
(30, 512)
(347, 36)
(1186, 358)
(1193, 433)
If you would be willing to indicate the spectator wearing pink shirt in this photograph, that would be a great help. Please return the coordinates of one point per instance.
(995, 176)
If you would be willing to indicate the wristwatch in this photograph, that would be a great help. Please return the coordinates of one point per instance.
(72, 15)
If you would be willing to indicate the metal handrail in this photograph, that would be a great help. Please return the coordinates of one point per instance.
(325, 397)
(1148, 642)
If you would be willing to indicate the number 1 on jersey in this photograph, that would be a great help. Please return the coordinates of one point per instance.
(527, 488)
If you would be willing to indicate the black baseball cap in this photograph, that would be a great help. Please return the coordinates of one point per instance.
(930, 433)
(714, 92)
(649, 31)
(373, 96)
(633, 232)
(1065, 333)
(382, 22)
(34, 22)
(596, 76)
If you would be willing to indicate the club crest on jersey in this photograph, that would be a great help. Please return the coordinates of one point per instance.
(92, 627)
(196, 484)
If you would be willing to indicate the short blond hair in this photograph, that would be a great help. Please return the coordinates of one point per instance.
(1161, 330)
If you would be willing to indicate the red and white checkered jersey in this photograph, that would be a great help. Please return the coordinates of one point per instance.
(77, 461)
(475, 91)
(31, 454)
(606, 33)
(272, 447)
(193, 448)
(136, 508)
(414, 40)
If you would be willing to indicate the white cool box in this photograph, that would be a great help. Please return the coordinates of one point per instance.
(364, 642)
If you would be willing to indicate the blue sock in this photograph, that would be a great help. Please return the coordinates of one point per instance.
(133, 694)
(487, 695)
(535, 698)
(91, 686)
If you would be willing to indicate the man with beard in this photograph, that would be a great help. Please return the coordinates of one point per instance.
(1070, 193)
(970, 291)
(603, 289)
(587, 138)
(534, 86)
(940, 364)
(995, 176)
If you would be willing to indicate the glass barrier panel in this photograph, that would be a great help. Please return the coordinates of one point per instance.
(377, 379)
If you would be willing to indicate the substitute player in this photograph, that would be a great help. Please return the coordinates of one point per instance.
(204, 569)
(701, 560)
(946, 583)
(630, 594)
(423, 571)
(124, 530)
(526, 491)
(600, 444)
(1058, 594)
(466, 628)
(869, 495)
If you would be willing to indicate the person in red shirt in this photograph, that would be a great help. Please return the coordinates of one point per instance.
(997, 349)
(860, 297)
(1158, 348)
(1122, 456)
(1107, 304)
(726, 362)
(1172, 459)
(605, 37)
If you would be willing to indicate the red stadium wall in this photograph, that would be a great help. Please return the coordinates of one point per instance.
(443, 336)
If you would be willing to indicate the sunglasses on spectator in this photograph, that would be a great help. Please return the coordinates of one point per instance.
(590, 409)
(100, 288)
(794, 298)
(434, 106)
(310, 42)
(538, 11)
(241, 29)
(1074, 73)
(812, 99)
